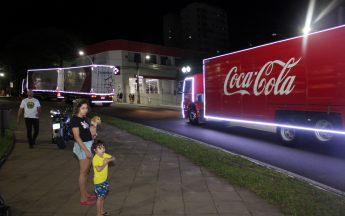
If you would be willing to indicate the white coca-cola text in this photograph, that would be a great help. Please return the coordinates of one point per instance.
(283, 84)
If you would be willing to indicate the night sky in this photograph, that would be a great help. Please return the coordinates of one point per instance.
(250, 21)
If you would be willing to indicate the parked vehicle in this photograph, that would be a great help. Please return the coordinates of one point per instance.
(93, 82)
(61, 130)
(296, 85)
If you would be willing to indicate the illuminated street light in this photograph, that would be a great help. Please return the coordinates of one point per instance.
(306, 30)
(83, 54)
(186, 69)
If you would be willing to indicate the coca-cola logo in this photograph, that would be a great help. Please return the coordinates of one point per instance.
(283, 84)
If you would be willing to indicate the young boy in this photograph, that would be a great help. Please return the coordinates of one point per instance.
(100, 167)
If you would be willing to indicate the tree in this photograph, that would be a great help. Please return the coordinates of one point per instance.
(40, 48)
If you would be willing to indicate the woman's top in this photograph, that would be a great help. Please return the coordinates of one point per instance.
(84, 128)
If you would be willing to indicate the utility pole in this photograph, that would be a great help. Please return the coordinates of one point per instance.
(138, 84)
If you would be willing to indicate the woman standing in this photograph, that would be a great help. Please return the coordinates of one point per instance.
(82, 147)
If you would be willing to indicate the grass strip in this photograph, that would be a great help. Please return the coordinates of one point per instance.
(293, 196)
(6, 142)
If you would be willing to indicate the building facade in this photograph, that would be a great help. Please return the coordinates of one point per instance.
(202, 28)
(158, 66)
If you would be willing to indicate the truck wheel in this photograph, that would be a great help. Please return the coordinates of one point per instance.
(61, 143)
(290, 136)
(325, 122)
(193, 117)
(106, 104)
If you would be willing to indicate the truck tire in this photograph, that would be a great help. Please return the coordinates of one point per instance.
(61, 142)
(193, 116)
(290, 136)
(325, 139)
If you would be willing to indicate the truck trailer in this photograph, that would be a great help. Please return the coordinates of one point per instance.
(296, 85)
(93, 82)
(44, 82)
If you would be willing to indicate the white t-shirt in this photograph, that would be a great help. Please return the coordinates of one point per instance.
(30, 107)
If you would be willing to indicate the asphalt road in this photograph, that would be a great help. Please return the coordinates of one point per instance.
(326, 166)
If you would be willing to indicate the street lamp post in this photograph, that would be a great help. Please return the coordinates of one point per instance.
(83, 54)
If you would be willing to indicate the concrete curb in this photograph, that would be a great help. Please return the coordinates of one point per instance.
(9, 151)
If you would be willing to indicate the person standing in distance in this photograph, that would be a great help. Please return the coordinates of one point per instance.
(82, 147)
(32, 110)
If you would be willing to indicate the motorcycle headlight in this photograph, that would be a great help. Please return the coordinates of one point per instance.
(54, 113)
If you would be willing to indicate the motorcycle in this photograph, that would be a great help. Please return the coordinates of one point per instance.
(61, 129)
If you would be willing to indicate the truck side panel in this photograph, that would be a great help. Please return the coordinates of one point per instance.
(42, 79)
(77, 79)
(213, 91)
(103, 79)
(250, 62)
(302, 74)
(326, 69)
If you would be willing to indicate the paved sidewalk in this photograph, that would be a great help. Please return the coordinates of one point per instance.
(146, 179)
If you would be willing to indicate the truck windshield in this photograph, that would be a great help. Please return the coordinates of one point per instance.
(188, 86)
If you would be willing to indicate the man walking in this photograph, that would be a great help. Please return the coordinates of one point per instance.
(32, 110)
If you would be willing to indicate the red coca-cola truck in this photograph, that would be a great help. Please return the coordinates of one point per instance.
(297, 85)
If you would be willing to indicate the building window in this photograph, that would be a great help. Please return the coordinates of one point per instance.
(152, 86)
(166, 60)
(134, 57)
(152, 59)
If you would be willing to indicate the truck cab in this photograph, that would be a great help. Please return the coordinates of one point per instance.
(193, 99)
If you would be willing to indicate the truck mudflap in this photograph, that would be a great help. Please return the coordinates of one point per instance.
(201, 117)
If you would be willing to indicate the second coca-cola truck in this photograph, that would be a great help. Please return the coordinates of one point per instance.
(93, 82)
(297, 85)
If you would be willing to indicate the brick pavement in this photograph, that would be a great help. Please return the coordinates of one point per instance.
(146, 179)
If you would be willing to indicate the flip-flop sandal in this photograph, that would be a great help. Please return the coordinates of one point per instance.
(93, 196)
(89, 202)
(106, 214)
